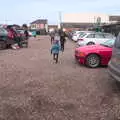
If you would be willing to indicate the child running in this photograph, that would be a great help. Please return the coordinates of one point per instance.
(55, 50)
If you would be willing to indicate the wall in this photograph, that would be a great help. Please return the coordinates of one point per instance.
(38, 26)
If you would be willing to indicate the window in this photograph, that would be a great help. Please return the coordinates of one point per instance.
(108, 36)
(2, 30)
(91, 36)
(117, 42)
(99, 35)
(82, 35)
(108, 43)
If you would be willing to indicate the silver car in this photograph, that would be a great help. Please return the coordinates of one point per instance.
(114, 64)
(92, 38)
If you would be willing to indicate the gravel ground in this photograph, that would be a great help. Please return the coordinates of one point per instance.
(32, 87)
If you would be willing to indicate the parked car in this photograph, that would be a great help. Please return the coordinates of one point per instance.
(3, 32)
(3, 38)
(77, 35)
(92, 38)
(95, 55)
(75, 32)
(30, 33)
(114, 64)
(34, 33)
(20, 33)
(22, 37)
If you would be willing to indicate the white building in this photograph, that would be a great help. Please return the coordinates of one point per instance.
(84, 18)
(85, 21)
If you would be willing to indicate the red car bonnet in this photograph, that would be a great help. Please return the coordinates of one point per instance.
(92, 48)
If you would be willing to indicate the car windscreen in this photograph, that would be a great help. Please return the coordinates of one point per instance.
(20, 31)
(2, 30)
(75, 33)
(117, 42)
(108, 43)
(82, 35)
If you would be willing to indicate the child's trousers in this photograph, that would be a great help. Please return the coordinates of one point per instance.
(55, 57)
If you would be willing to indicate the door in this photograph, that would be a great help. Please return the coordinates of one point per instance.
(106, 55)
(90, 38)
(116, 53)
(99, 38)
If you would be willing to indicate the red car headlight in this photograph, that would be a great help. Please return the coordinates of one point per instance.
(82, 54)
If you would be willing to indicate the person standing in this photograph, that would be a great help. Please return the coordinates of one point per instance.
(26, 36)
(13, 38)
(62, 39)
(55, 50)
(52, 35)
(10, 40)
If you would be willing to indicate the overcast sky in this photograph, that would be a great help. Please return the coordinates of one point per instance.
(25, 11)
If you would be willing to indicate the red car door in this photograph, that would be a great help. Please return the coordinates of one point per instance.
(105, 54)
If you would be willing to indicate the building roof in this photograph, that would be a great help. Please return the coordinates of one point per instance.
(40, 21)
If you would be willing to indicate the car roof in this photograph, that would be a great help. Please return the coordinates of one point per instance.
(87, 31)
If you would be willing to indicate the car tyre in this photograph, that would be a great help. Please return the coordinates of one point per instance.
(93, 61)
(91, 43)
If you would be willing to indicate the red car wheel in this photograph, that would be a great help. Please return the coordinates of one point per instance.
(93, 60)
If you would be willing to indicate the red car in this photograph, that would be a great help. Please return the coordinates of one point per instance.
(95, 55)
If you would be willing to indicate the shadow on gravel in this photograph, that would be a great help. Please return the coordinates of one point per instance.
(38, 107)
(115, 85)
(46, 107)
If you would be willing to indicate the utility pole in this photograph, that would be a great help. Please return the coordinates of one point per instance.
(60, 19)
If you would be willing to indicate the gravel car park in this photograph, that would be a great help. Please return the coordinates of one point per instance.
(32, 87)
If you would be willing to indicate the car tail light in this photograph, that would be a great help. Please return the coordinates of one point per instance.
(81, 39)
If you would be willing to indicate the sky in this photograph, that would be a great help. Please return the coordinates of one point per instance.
(26, 11)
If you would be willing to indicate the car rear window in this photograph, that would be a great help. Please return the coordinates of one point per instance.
(108, 36)
(91, 36)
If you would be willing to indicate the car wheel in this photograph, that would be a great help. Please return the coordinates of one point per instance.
(93, 61)
(91, 43)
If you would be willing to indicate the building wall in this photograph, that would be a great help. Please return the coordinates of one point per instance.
(84, 18)
(38, 26)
